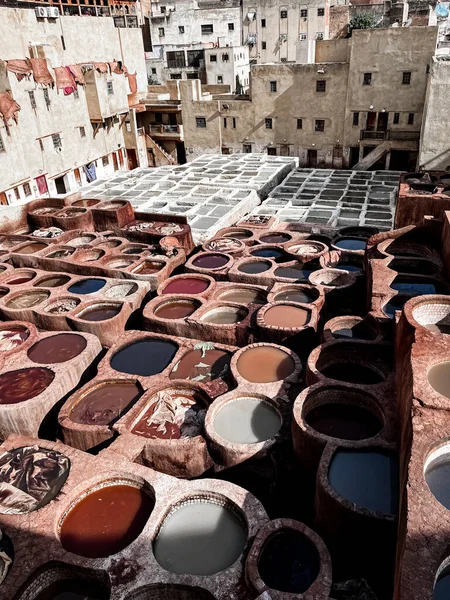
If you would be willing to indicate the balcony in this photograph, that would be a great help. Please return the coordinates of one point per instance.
(391, 134)
(167, 132)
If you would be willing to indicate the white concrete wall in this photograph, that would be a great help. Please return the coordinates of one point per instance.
(237, 64)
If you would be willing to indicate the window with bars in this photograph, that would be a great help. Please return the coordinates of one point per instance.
(320, 125)
(367, 79)
(273, 86)
(82, 132)
(161, 31)
(175, 76)
(47, 98)
(303, 37)
(200, 122)
(207, 29)
(299, 123)
(176, 59)
(355, 119)
(321, 85)
(304, 13)
(17, 193)
(27, 189)
(411, 119)
(225, 57)
(396, 119)
(213, 58)
(320, 12)
(230, 26)
(32, 99)
(319, 35)
(283, 14)
(268, 123)
(56, 139)
(406, 78)
(110, 88)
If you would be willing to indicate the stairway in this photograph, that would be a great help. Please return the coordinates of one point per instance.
(164, 156)
(373, 156)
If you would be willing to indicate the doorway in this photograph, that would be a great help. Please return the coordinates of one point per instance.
(181, 153)
(371, 121)
(132, 159)
(284, 150)
(120, 152)
(247, 148)
(76, 172)
(116, 166)
(173, 119)
(60, 185)
(403, 160)
(383, 118)
(312, 158)
(354, 156)
(272, 151)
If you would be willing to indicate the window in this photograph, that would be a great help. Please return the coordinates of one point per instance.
(176, 60)
(41, 145)
(175, 76)
(319, 35)
(206, 29)
(192, 75)
(226, 150)
(303, 37)
(263, 45)
(225, 57)
(272, 151)
(27, 189)
(110, 88)
(406, 78)
(2, 145)
(47, 98)
(320, 12)
(161, 31)
(367, 79)
(76, 95)
(355, 119)
(220, 79)
(200, 122)
(299, 123)
(224, 122)
(273, 86)
(234, 122)
(283, 59)
(32, 99)
(263, 22)
(321, 85)
(213, 58)
(320, 125)
(268, 123)
(247, 148)
(180, 28)
(163, 10)
(195, 57)
(56, 139)
(230, 26)
(396, 120)
(283, 14)
(411, 119)
(17, 193)
(153, 71)
(304, 13)
(82, 132)
(105, 161)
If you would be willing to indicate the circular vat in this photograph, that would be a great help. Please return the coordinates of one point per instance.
(106, 519)
(71, 212)
(176, 309)
(103, 311)
(434, 315)
(34, 477)
(414, 266)
(265, 364)
(172, 413)
(286, 315)
(24, 384)
(170, 591)
(202, 365)
(82, 240)
(201, 535)
(243, 295)
(342, 413)
(367, 478)
(206, 260)
(52, 282)
(3, 291)
(359, 232)
(289, 562)
(186, 285)
(247, 420)
(13, 337)
(414, 286)
(351, 327)
(275, 237)
(421, 181)
(297, 294)
(307, 248)
(149, 267)
(57, 348)
(276, 254)
(351, 244)
(224, 315)
(442, 585)
(300, 272)
(88, 203)
(317, 237)
(359, 363)
(71, 588)
(62, 305)
(45, 210)
(121, 290)
(238, 234)
(30, 248)
(20, 277)
(105, 403)
(439, 378)
(27, 299)
(89, 255)
(134, 249)
(87, 286)
(395, 303)
(224, 244)
(144, 357)
(61, 253)
(120, 262)
(111, 204)
(254, 267)
(331, 278)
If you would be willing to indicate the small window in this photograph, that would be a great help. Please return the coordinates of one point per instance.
(273, 86)
(272, 151)
(283, 14)
(153, 71)
(319, 35)
(161, 31)
(263, 45)
(225, 57)
(2, 145)
(355, 119)
(206, 29)
(427, 71)
(32, 99)
(200, 122)
(396, 120)
(41, 145)
(220, 79)
(304, 13)
(47, 98)
(263, 22)
(230, 26)
(367, 79)
(321, 85)
(299, 123)
(303, 37)
(411, 119)
(320, 125)
(283, 59)
(76, 95)
(247, 148)
(175, 76)
(226, 150)
(163, 10)
(56, 139)
(181, 29)
(268, 123)
(234, 122)
(224, 122)
(192, 75)
(110, 88)
(17, 193)
(82, 132)
(105, 161)
(213, 58)
(320, 12)
(406, 78)
(27, 189)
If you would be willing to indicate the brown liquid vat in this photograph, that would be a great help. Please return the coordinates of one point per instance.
(278, 321)
(105, 319)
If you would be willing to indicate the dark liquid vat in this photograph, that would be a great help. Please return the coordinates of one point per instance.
(277, 255)
(300, 273)
(176, 310)
(52, 282)
(145, 357)
(442, 587)
(343, 421)
(396, 303)
(252, 268)
(19, 280)
(73, 589)
(210, 261)
(106, 521)
(87, 286)
(57, 348)
(186, 286)
(289, 562)
(24, 384)
(238, 234)
(439, 378)
(414, 288)
(102, 313)
(423, 267)
(347, 267)
(367, 478)
(352, 373)
(351, 244)
(296, 296)
(275, 238)
(105, 404)
(202, 365)
(134, 250)
(360, 331)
